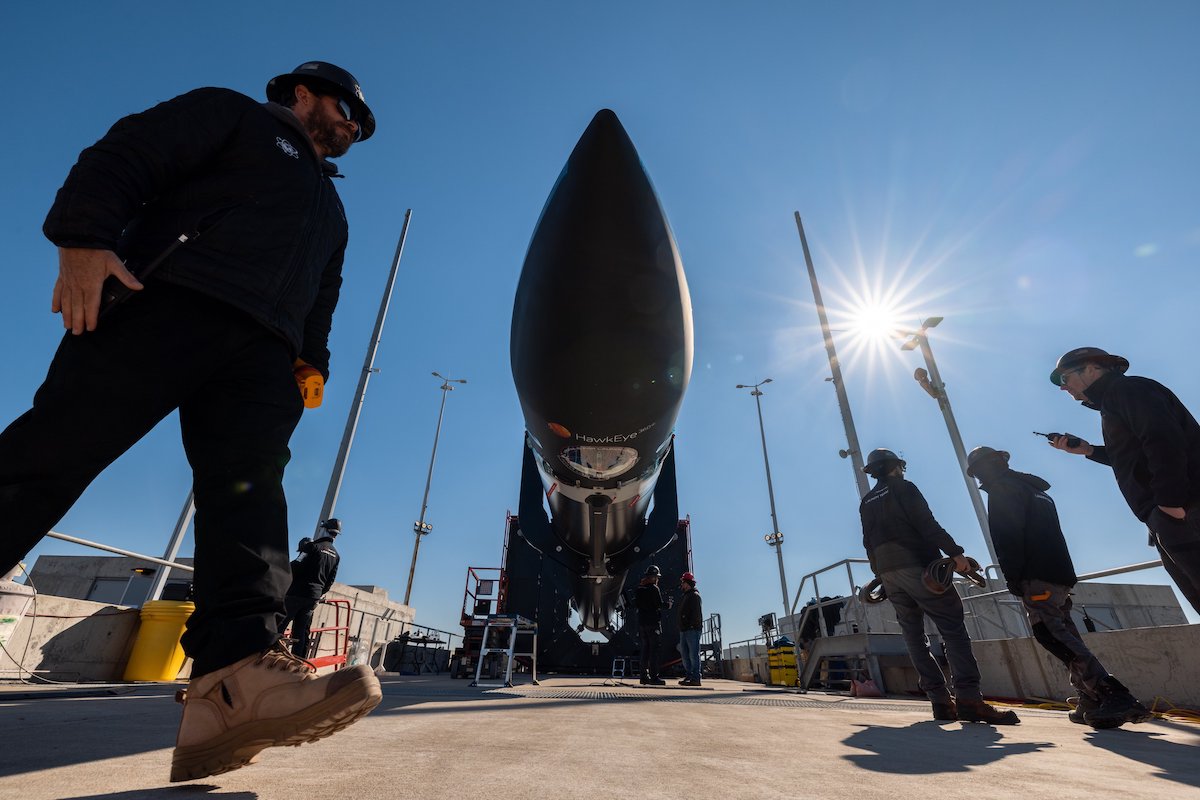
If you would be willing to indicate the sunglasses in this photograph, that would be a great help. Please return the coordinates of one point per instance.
(347, 112)
(1062, 376)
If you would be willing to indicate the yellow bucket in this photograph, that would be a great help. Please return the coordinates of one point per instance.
(157, 654)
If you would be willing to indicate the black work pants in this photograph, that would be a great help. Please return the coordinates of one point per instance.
(231, 380)
(650, 638)
(1178, 543)
(300, 615)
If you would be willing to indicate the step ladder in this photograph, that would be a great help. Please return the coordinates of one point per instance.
(858, 654)
(515, 625)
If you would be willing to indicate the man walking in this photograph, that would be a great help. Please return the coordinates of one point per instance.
(902, 538)
(219, 331)
(691, 622)
(1034, 557)
(313, 574)
(1152, 444)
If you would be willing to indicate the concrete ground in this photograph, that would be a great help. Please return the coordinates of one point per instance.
(433, 737)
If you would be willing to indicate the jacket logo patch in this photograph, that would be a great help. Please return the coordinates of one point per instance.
(287, 147)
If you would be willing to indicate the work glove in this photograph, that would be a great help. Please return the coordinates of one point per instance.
(310, 382)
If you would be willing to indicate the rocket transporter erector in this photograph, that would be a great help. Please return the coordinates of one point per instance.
(601, 356)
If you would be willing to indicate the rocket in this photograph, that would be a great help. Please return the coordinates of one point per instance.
(601, 353)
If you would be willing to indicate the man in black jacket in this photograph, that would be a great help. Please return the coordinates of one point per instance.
(691, 623)
(902, 538)
(219, 332)
(649, 601)
(1037, 565)
(1152, 443)
(313, 574)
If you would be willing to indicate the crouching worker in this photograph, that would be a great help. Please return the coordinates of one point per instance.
(902, 537)
(1037, 565)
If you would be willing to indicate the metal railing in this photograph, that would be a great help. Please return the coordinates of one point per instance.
(87, 543)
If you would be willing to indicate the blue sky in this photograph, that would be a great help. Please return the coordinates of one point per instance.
(1026, 170)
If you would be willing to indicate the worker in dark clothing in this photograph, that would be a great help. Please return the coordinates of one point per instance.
(313, 574)
(1152, 443)
(902, 538)
(691, 623)
(649, 601)
(1033, 555)
(232, 203)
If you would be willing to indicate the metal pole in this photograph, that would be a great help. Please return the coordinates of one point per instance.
(943, 400)
(776, 535)
(339, 463)
(181, 526)
(853, 451)
(76, 540)
(420, 528)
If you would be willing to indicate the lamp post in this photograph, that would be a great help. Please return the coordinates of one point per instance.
(775, 538)
(421, 527)
(931, 382)
(853, 451)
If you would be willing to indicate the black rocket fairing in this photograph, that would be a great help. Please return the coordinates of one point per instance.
(601, 356)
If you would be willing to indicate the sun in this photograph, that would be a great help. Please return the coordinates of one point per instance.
(874, 321)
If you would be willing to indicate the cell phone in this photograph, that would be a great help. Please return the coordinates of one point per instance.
(1072, 441)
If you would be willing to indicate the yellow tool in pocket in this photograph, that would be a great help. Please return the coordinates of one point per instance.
(312, 385)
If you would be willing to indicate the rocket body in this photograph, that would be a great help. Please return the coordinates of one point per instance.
(601, 353)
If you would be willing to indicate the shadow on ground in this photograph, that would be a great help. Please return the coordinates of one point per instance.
(49, 732)
(196, 790)
(927, 747)
(1174, 761)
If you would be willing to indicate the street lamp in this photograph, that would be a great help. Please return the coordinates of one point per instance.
(775, 538)
(421, 527)
(931, 382)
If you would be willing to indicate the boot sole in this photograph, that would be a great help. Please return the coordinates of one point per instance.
(239, 747)
(1108, 723)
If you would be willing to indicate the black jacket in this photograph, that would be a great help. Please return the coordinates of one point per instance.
(691, 617)
(648, 600)
(1026, 532)
(315, 570)
(1151, 441)
(242, 173)
(899, 529)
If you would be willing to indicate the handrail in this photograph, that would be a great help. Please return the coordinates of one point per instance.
(120, 552)
(845, 562)
(1104, 573)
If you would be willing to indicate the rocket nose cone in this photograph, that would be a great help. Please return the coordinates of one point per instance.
(604, 140)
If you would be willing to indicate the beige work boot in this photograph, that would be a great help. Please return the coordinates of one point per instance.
(265, 700)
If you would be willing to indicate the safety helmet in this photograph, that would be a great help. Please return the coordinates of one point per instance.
(984, 453)
(332, 526)
(687, 576)
(305, 542)
(653, 570)
(878, 458)
(323, 75)
(1083, 355)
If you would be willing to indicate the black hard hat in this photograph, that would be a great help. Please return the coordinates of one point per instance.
(322, 74)
(305, 542)
(880, 456)
(653, 570)
(332, 526)
(1083, 355)
(984, 453)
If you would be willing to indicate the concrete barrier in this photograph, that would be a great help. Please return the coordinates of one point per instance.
(76, 640)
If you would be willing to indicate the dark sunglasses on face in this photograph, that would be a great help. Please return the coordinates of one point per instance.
(347, 112)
